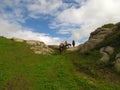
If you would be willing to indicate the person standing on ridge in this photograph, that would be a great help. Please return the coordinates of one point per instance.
(73, 43)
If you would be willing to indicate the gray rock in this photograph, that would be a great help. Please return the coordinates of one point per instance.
(95, 38)
(105, 57)
(31, 42)
(109, 50)
(117, 65)
(39, 47)
(117, 56)
(36, 46)
(117, 62)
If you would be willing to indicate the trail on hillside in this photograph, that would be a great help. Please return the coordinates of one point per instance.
(73, 48)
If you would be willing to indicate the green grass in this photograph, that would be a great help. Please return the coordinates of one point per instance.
(108, 25)
(21, 69)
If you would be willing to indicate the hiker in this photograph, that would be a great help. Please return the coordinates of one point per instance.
(61, 47)
(73, 43)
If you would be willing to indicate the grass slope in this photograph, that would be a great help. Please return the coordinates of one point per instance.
(21, 69)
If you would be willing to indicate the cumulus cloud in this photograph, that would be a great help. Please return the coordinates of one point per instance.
(91, 15)
(11, 30)
(17, 11)
(43, 7)
(76, 18)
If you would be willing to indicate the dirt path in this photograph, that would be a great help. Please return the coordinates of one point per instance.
(73, 48)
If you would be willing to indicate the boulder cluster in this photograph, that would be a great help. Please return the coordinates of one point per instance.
(36, 46)
(106, 52)
(95, 38)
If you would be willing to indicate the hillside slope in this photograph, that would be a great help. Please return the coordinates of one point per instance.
(21, 69)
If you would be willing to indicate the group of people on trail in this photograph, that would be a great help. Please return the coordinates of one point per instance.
(65, 45)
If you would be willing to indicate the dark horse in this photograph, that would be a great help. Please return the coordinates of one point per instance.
(63, 47)
(68, 45)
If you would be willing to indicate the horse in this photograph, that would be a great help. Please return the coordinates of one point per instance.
(68, 45)
(63, 47)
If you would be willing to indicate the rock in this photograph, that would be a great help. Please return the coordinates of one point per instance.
(117, 65)
(106, 52)
(95, 38)
(105, 56)
(18, 39)
(117, 56)
(34, 43)
(109, 50)
(117, 62)
(36, 46)
(39, 47)
(89, 45)
(41, 50)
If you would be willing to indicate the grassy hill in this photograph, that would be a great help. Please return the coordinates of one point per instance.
(21, 69)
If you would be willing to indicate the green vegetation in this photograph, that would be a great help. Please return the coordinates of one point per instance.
(108, 25)
(112, 40)
(21, 69)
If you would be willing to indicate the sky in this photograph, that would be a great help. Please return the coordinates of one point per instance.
(55, 21)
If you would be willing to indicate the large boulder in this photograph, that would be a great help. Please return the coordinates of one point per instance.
(105, 57)
(89, 45)
(106, 52)
(37, 47)
(96, 37)
(117, 62)
(35, 43)
(109, 50)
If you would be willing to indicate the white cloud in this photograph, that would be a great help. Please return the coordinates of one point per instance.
(12, 10)
(15, 30)
(44, 7)
(91, 15)
(77, 19)
(15, 11)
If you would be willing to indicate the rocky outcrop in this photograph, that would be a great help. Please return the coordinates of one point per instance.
(35, 43)
(106, 52)
(117, 62)
(36, 46)
(39, 47)
(96, 37)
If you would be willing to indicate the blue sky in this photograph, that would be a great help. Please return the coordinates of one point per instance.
(54, 21)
